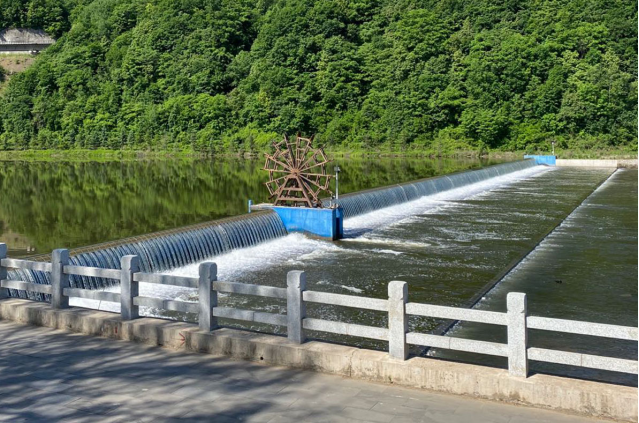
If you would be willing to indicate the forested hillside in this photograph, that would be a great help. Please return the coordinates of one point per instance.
(53, 16)
(434, 75)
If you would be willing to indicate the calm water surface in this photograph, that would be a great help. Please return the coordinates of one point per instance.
(48, 205)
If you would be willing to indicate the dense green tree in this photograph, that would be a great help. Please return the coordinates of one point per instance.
(218, 75)
(53, 16)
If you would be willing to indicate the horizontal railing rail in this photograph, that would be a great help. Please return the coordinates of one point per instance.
(25, 264)
(250, 289)
(342, 328)
(366, 303)
(25, 286)
(515, 319)
(171, 305)
(583, 328)
(183, 281)
(92, 294)
(96, 272)
(469, 315)
(250, 316)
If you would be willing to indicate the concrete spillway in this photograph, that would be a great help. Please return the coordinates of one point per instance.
(166, 249)
(370, 200)
(180, 247)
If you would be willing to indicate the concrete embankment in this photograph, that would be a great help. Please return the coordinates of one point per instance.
(621, 163)
(569, 395)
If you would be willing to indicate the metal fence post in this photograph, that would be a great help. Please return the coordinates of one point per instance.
(59, 280)
(129, 289)
(517, 334)
(295, 307)
(207, 296)
(4, 292)
(397, 319)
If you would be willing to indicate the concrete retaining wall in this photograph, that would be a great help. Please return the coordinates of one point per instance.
(543, 391)
(597, 163)
(23, 40)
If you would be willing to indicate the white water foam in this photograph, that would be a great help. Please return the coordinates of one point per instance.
(230, 267)
(356, 226)
(298, 249)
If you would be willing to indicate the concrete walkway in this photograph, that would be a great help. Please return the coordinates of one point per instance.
(52, 375)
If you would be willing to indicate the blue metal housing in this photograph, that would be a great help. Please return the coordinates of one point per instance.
(542, 160)
(322, 223)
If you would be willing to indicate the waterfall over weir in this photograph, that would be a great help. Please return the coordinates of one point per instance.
(378, 198)
(165, 250)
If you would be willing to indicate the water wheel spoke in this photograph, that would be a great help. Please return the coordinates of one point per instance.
(309, 189)
(306, 163)
(306, 148)
(284, 165)
(317, 159)
(321, 187)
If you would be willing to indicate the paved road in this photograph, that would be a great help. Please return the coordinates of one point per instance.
(51, 375)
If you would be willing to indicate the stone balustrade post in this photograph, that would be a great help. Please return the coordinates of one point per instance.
(129, 289)
(59, 279)
(4, 292)
(295, 307)
(517, 334)
(207, 296)
(397, 319)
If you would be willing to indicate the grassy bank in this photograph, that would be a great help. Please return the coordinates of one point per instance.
(96, 155)
(111, 155)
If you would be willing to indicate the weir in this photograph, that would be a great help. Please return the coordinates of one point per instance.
(374, 199)
(179, 247)
(164, 250)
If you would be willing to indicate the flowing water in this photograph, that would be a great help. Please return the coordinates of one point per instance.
(451, 246)
(163, 250)
(585, 270)
(448, 247)
(369, 201)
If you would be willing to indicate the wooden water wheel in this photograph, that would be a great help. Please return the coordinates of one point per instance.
(297, 173)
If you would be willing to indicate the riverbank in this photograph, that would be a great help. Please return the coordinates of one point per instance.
(111, 155)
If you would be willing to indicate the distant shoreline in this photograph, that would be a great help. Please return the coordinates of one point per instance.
(110, 155)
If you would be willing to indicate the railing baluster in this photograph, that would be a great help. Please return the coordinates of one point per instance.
(59, 279)
(4, 292)
(207, 296)
(397, 319)
(129, 288)
(517, 334)
(295, 307)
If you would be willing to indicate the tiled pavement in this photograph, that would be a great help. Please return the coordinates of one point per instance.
(51, 375)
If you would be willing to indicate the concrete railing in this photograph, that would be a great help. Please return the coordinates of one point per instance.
(397, 334)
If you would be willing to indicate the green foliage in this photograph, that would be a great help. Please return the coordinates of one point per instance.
(428, 75)
(53, 16)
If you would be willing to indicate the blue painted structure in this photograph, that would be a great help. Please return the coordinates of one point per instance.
(542, 160)
(323, 223)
